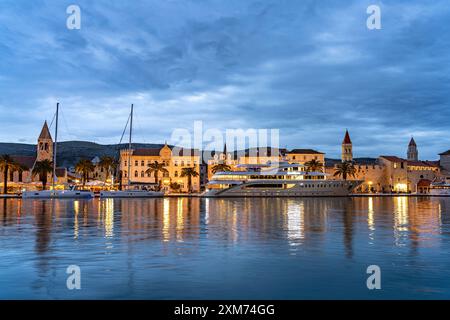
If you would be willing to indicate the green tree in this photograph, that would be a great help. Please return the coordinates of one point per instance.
(42, 169)
(84, 167)
(345, 169)
(314, 166)
(220, 167)
(8, 164)
(189, 173)
(156, 168)
(175, 186)
(109, 164)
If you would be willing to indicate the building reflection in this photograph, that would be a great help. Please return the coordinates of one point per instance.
(292, 223)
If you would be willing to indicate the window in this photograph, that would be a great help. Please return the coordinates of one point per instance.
(125, 174)
(136, 163)
(125, 163)
(176, 174)
(175, 163)
(142, 174)
(136, 174)
(142, 163)
(182, 163)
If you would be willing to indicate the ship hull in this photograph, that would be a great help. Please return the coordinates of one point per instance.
(305, 188)
(131, 194)
(57, 194)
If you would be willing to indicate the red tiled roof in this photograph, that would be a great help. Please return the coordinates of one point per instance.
(304, 151)
(423, 164)
(424, 183)
(27, 161)
(146, 152)
(176, 151)
(45, 132)
(61, 172)
(393, 158)
(347, 139)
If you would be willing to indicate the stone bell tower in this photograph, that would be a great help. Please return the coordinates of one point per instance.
(347, 148)
(45, 144)
(413, 153)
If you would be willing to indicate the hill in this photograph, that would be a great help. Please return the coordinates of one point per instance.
(69, 152)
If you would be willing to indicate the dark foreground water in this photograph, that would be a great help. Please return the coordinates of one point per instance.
(225, 248)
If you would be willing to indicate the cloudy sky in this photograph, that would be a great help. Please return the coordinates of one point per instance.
(310, 68)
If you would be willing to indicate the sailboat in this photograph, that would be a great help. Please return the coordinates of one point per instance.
(57, 194)
(128, 192)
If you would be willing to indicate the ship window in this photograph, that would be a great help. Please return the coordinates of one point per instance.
(264, 186)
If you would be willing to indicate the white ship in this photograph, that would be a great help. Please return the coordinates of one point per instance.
(277, 180)
(440, 188)
(57, 194)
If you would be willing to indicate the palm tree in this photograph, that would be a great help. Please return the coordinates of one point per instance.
(84, 167)
(189, 173)
(7, 164)
(314, 166)
(175, 186)
(345, 169)
(109, 164)
(221, 167)
(156, 168)
(42, 168)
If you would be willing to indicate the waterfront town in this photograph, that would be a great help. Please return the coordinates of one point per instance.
(177, 170)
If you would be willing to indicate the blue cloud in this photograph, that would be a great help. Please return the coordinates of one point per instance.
(310, 68)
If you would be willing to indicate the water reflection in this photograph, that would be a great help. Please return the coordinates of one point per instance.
(147, 230)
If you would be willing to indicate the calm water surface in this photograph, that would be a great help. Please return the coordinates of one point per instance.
(181, 248)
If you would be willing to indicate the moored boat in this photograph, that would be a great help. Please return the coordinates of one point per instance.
(277, 180)
(440, 189)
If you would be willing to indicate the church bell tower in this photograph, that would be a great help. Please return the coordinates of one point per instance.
(347, 148)
(45, 144)
(413, 153)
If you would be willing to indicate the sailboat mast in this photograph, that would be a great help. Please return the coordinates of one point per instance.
(129, 145)
(55, 144)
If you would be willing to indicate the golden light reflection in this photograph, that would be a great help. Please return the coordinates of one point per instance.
(166, 220)
(370, 214)
(109, 218)
(180, 220)
(295, 221)
(400, 219)
(76, 210)
(207, 211)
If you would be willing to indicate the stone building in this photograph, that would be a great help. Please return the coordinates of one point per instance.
(23, 179)
(174, 160)
(412, 154)
(389, 173)
(302, 156)
(347, 148)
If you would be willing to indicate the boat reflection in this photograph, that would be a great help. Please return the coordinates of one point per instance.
(297, 222)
